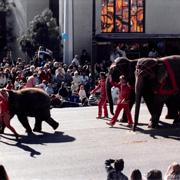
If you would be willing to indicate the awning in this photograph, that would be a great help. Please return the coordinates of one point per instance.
(134, 36)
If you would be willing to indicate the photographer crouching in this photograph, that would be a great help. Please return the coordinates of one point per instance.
(114, 169)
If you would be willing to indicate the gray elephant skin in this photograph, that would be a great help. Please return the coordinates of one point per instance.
(127, 67)
(152, 75)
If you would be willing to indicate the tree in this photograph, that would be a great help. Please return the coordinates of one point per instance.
(42, 31)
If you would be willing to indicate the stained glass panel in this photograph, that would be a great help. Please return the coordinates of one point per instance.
(107, 16)
(122, 15)
(137, 16)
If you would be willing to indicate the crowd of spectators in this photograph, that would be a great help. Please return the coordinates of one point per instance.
(70, 83)
(115, 168)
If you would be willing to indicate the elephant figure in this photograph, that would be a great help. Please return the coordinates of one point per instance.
(127, 67)
(158, 81)
(121, 66)
(32, 102)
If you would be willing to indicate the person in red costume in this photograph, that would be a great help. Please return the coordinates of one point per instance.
(102, 101)
(4, 112)
(123, 101)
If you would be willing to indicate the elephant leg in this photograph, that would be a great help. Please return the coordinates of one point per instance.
(24, 121)
(149, 103)
(171, 112)
(44, 115)
(158, 105)
(2, 127)
(52, 123)
(38, 124)
(176, 116)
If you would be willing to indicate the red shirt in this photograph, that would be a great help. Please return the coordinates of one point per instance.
(3, 104)
(125, 91)
(102, 86)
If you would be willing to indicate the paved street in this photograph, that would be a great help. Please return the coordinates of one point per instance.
(77, 150)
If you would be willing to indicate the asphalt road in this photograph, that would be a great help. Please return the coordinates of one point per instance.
(81, 144)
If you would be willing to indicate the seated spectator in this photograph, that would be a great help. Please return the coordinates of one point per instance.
(82, 95)
(3, 173)
(173, 172)
(115, 171)
(74, 87)
(42, 85)
(115, 94)
(9, 85)
(57, 102)
(75, 97)
(31, 81)
(154, 174)
(136, 175)
(49, 89)
(63, 92)
(93, 100)
(3, 79)
(153, 53)
(76, 79)
(68, 77)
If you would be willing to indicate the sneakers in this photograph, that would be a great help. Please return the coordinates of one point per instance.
(129, 125)
(105, 117)
(98, 117)
(110, 124)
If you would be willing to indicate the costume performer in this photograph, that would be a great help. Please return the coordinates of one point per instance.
(4, 112)
(102, 100)
(123, 101)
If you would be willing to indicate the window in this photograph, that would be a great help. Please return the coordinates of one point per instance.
(122, 16)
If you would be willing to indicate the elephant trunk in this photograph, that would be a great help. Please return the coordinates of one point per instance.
(138, 90)
(109, 95)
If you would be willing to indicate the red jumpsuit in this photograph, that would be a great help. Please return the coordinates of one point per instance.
(123, 103)
(5, 115)
(102, 100)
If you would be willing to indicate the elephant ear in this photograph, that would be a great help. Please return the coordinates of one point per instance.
(146, 67)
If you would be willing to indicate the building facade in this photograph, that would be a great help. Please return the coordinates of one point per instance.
(115, 21)
(157, 20)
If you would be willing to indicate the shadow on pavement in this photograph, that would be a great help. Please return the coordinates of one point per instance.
(165, 130)
(43, 138)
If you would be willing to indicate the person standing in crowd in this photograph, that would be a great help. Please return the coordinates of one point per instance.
(136, 175)
(3, 173)
(4, 112)
(75, 61)
(154, 174)
(123, 102)
(102, 100)
(153, 53)
(43, 53)
(31, 81)
(84, 58)
(173, 172)
(115, 173)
